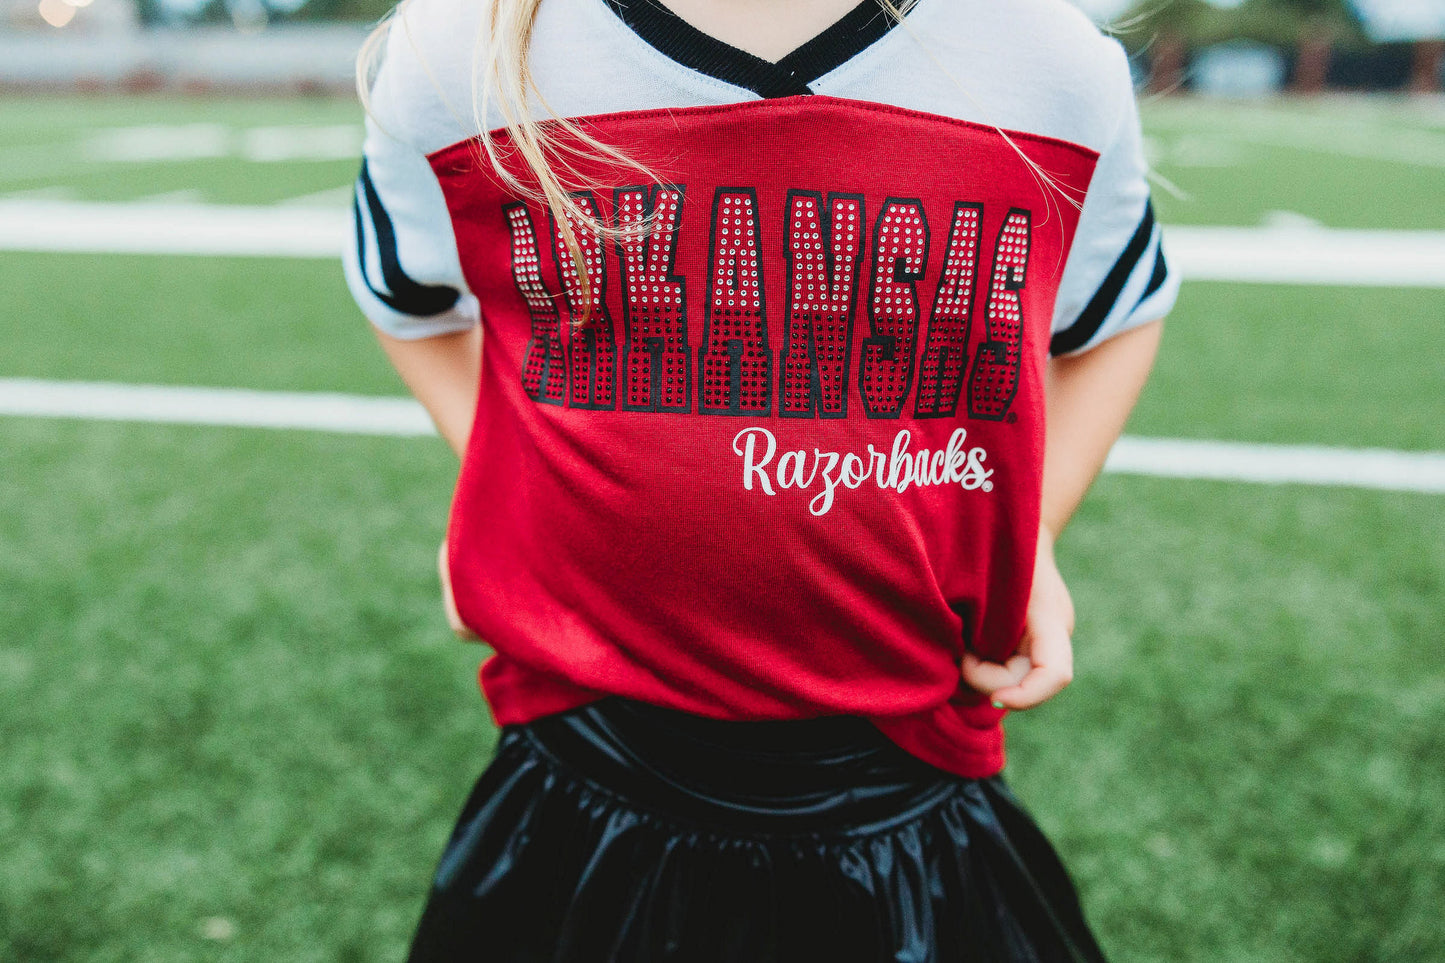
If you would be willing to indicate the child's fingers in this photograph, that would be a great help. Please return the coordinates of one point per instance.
(988, 677)
(1038, 687)
(1052, 670)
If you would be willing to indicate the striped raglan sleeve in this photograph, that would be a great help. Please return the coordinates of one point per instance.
(1117, 275)
(400, 255)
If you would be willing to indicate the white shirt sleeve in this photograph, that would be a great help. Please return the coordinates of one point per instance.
(1116, 276)
(400, 257)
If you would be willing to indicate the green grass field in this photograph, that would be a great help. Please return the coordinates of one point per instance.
(234, 727)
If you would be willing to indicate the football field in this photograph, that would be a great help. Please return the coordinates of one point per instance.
(234, 725)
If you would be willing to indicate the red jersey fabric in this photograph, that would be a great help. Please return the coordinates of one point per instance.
(791, 467)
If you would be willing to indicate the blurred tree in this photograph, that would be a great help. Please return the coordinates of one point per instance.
(1429, 65)
(1311, 28)
(1166, 30)
(352, 10)
(158, 12)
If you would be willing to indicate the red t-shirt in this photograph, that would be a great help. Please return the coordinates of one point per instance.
(791, 467)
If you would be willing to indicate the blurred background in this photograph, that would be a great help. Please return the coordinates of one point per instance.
(233, 725)
(1222, 47)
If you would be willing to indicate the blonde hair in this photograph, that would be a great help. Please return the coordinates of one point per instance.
(502, 80)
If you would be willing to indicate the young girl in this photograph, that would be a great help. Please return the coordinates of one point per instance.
(746, 318)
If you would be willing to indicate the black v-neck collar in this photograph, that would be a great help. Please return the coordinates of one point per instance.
(679, 40)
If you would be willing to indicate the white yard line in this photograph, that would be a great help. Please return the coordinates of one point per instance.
(1406, 471)
(1415, 148)
(1412, 138)
(316, 411)
(1292, 254)
(356, 414)
(171, 229)
(1308, 255)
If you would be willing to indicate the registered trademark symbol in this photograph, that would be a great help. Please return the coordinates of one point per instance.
(1011, 417)
(988, 486)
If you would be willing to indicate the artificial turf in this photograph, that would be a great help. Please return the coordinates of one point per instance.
(229, 695)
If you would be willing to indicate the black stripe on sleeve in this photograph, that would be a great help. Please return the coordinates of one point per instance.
(1156, 280)
(1087, 324)
(405, 295)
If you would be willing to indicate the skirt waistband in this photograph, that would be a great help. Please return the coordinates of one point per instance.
(831, 774)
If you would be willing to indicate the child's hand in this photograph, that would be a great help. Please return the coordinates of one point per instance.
(449, 602)
(1044, 663)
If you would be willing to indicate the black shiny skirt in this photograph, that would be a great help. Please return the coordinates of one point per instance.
(621, 831)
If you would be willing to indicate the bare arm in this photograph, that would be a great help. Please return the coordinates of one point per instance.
(1089, 397)
(442, 372)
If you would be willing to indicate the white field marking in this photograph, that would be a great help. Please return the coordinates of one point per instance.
(1289, 221)
(315, 411)
(1413, 148)
(1408, 471)
(1194, 151)
(181, 143)
(181, 198)
(357, 414)
(266, 145)
(1416, 148)
(159, 142)
(188, 142)
(1267, 255)
(172, 229)
(1298, 254)
(1369, 128)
